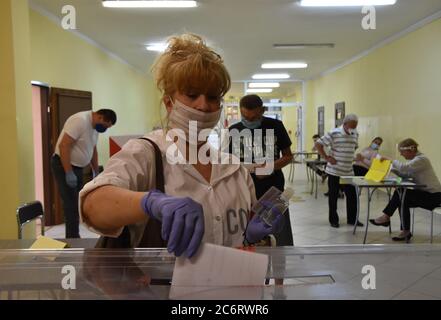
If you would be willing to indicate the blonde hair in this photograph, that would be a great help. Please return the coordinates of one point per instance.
(189, 65)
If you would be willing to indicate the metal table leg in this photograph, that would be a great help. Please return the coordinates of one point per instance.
(307, 171)
(431, 228)
(369, 199)
(369, 194)
(290, 171)
(357, 192)
(389, 194)
(402, 194)
(316, 184)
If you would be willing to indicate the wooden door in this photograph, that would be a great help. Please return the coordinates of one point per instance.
(63, 104)
(42, 108)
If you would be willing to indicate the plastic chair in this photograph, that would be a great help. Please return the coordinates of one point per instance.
(431, 221)
(28, 213)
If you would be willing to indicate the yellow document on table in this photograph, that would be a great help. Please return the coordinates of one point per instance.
(43, 243)
(379, 170)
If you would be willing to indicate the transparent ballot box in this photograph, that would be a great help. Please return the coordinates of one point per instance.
(318, 272)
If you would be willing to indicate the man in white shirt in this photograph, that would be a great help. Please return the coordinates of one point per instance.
(76, 149)
(343, 142)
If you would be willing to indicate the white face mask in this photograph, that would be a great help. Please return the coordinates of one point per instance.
(181, 115)
(351, 131)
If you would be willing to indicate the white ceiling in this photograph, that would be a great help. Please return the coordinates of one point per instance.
(243, 31)
(286, 91)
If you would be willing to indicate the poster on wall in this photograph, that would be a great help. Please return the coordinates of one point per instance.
(339, 113)
(321, 121)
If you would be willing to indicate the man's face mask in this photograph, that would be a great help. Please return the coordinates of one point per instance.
(100, 128)
(351, 131)
(252, 124)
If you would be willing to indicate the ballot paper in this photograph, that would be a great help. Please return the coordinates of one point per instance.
(379, 170)
(218, 272)
(47, 243)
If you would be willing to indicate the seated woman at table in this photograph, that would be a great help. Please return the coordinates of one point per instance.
(418, 168)
(363, 160)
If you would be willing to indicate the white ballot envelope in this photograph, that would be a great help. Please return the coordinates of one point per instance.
(218, 272)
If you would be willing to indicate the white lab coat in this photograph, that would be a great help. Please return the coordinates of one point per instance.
(226, 200)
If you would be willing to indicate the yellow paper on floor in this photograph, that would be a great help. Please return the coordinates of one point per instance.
(379, 170)
(43, 243)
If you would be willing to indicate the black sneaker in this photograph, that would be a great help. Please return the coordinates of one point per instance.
(335, 225)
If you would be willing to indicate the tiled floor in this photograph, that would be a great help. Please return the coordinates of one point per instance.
(309, 219)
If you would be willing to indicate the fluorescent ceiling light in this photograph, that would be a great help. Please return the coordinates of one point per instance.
(302, 45)
(159, 47)
(259, 90)
(285, 65)
(149, 4)
(275, 76)
(345, 3)
(264, 85)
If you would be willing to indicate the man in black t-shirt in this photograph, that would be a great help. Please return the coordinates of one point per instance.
(262, 145)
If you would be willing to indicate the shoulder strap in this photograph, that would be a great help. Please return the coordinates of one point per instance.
(158, 164)
(151, 237)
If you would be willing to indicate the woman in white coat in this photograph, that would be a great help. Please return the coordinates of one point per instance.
(201, 201)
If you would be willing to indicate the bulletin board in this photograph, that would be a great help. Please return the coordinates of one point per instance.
(321, 121)
(339, 113)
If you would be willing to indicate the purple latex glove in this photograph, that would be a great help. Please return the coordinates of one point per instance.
(182, 221)
(257, 229)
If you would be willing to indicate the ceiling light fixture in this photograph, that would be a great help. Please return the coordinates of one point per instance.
(345, 3)
(259, 90)
(149, 4)
(302, 45)
(274, 76)
(264, 85)
(285, 65)
(159, 47)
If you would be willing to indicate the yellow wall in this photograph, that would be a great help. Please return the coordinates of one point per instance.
(16, 172)
(35, 48)
(395, 90)
(62, 59)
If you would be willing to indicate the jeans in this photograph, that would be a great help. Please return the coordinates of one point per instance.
(413, 199)
(351, 200)
(69, 196)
